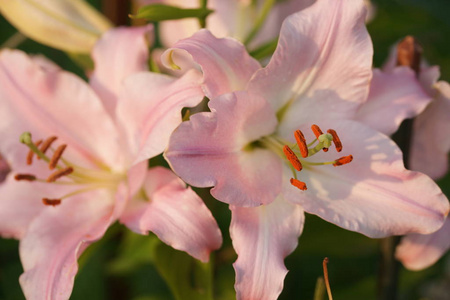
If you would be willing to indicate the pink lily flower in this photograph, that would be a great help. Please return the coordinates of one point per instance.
(234, 18)
(95, 172)
(429, 154)
(245, 147)
(430, 144)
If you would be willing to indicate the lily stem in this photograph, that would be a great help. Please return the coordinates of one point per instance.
(389, 267)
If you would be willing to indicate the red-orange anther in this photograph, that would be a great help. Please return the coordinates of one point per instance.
(301, 142)
(52, 202)
(298, 184)
(409, 53)
(316, 130)
(60, 173)
(293, 159)
(31, 153)
(27, 177)
(56, 156)
(47, 143)
(336, 140)
(343, 160)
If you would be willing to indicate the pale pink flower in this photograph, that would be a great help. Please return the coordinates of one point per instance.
(110, 129)
(234, 18)
(319, 74)
(429, 154)
(430, 142)
(4, 169)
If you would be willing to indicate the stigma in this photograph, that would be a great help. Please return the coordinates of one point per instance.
(322, 142)
(62, 171)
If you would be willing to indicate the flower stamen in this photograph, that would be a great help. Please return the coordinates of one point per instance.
(31, 153)
(318, 132)
(60, 173)
(301, 142)
(343, 160)
(51, 202)
(292, 157)
(26, 177)
(336, 140)
(56, 156)
(47, 143)
(299, 184)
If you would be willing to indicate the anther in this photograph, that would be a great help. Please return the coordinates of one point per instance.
(409, 53)
(343, 160)
(298, 184)
(318, 132)
(56, 156)
(301, 142)
(52, 202)
(336, 140)
(293, 159)
(27, 177)
(47, 143)
(31, 153)
(60, 173)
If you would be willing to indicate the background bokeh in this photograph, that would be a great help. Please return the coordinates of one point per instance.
(124, 265)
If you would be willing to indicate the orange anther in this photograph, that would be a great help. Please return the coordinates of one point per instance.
(56, 156)
(293, 159)
(298, 184)
(316, 130)
(336, 140)
(301, 142)
(47, 143)
(409, 53)
(31, 153)
(343, 160)
(27, 177)
(60, 173)
(52, 202)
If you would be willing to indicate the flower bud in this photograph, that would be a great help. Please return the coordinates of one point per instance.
(69, 25)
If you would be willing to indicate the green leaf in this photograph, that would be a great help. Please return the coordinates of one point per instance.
(186, 277)
(84, 61)
(161, 12)
(134, 251)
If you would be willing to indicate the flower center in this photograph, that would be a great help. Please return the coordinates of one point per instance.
(322, 142)
(65, 172)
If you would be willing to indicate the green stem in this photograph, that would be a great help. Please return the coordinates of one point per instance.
(260, 21)
(202, 21)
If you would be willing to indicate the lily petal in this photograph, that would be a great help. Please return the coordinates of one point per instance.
(208, 151)
(430, 141)
(119, 53)
(393, 97)
(52, 102)
(323, 47)
(54, 241)
(355, 196)
(20, 204)
(71, 26)
(419, 251)
(150, 109)
(262, 237)
(225, 63)
(176, 214)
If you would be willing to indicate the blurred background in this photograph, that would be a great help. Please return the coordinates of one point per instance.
(124, 265)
